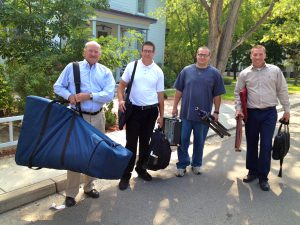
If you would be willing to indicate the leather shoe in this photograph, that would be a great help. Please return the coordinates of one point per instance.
(69, 202)
(93, 193)
(123, 184)
(145, 176)
(249, 178)
(264, 185)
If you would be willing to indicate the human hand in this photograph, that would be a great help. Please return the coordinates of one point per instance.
(175, 112)
(81, 97)
(239, 113)
(122, 106)
(72, 99)
(160, 121)
(285, 117)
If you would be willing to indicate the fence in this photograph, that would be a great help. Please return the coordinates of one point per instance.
(9, 121)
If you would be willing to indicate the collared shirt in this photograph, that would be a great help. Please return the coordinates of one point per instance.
(264, 85)
(97, 79)
(147, 82)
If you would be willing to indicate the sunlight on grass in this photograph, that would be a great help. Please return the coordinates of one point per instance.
(230, 89)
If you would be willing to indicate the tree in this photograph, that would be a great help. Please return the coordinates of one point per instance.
(284, 29)
(222, 27)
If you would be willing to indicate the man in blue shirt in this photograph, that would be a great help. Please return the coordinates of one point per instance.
(198, 85)
(97, 87)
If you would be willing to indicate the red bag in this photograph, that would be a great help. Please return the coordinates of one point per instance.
(243, 97)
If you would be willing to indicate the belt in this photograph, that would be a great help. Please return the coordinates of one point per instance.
(146, 106)
(92, 113)
(262, 109)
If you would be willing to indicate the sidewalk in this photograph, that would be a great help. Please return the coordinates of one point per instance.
(20, 185)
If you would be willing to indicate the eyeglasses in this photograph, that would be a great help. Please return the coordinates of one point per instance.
(147, 51)
(203, 55)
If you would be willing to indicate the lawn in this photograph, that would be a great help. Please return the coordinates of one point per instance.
(230, 89)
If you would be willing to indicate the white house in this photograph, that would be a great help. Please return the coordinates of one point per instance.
(132, 14)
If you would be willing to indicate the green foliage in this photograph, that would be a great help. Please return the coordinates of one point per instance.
(113, 54)
(38, 39)
(187, 30)
(111, 117)
(6, 97)
(227, 80)
(170, 76)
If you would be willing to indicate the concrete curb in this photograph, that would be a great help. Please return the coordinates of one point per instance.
(32, 193)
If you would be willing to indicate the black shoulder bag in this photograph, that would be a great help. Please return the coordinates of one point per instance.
(76, 74)
(281, 144)
(124, 116)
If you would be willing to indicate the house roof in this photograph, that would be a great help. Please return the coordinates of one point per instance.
(128, 15)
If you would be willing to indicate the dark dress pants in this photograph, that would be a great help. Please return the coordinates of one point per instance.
(139, 127)
(259, 129)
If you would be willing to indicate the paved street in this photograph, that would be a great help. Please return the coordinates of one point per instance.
(218, 196)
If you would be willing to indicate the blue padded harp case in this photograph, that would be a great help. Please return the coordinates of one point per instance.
(54, 136)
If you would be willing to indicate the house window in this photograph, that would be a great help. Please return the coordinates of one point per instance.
(141, 6)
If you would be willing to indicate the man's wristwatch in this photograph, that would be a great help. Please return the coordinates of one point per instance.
(91, 96)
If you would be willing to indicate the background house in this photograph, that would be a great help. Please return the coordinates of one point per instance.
(132, 14)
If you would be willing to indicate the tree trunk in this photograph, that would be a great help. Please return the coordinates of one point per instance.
(220, 40)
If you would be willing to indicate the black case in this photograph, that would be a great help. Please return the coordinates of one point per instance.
(172, 130)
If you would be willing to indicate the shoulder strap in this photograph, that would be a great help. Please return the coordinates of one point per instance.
(76, 74)
(131, 80)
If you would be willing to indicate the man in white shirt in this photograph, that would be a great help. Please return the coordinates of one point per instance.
(147, 97)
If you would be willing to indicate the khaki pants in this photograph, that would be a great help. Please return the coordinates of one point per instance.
(73, 178)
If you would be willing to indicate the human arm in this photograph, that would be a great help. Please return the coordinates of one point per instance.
(282, 94)
(238, 103)
(120, 93)
(161, 105)
(217, 103)
(177, 97)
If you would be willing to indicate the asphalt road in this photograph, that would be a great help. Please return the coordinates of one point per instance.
(218, 196)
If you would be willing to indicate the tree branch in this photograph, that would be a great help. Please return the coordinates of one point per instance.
(205, 5)
(255, 27)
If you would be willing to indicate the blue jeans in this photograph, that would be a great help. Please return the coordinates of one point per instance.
(200, 132)
(259, 129)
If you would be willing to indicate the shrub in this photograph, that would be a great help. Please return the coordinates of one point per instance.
(6, 95)
(227, 80)
(110, 116)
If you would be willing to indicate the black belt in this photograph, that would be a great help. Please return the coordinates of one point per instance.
(146, 106)
(262, 109)
(92, 113)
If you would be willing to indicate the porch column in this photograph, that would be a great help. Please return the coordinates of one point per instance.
(94, 28)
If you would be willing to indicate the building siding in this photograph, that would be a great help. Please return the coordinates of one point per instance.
(156, 32)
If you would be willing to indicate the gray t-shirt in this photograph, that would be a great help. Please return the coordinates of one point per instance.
(198, 87)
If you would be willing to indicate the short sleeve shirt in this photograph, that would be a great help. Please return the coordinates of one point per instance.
(199, 86)
(147, 82)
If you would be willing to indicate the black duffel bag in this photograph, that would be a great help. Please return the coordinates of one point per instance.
(160, 151)
(281, 144)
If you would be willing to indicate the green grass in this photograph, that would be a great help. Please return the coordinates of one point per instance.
(230, 89)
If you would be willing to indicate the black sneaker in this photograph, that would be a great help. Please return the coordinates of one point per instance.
(123, 184)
